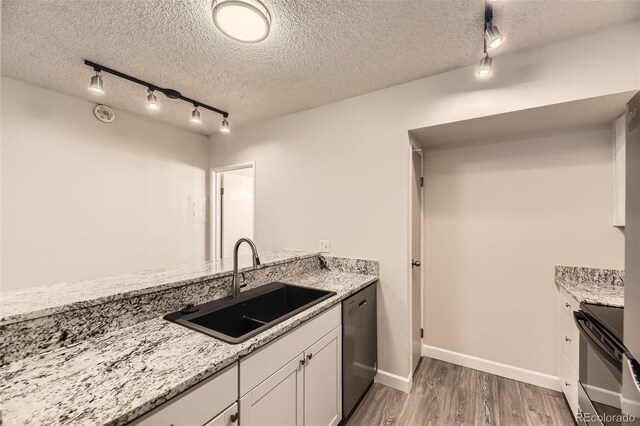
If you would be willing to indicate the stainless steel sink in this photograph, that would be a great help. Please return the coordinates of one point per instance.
(235, 320)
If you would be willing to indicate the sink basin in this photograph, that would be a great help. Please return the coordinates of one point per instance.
(254, 311)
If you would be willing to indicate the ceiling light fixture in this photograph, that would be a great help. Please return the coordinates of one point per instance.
(195, 115)
(484, 69)
(493, 37)
(224, 126)
(96, 84)
(152, 101)
(242, 20)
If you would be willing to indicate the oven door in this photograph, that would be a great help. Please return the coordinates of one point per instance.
(601, 357)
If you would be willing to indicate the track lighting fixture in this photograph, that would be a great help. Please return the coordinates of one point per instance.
(493, 37)
(96, 84)
(195, 116)
(484, 69)
(152, 100)
(224, 126)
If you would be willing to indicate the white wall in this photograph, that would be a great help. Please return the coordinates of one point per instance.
(498, 217)
(83, 199)
(341, 171)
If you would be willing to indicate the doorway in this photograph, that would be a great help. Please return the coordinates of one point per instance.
(233, 212)
(415, 241)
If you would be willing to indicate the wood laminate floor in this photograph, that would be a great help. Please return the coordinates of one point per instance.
(448, 394)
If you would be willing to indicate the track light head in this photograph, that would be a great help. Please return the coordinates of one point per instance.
(484, 69)
(96, 84)
(152, 101)
(195, 116)
(493, 37)
(224, 126)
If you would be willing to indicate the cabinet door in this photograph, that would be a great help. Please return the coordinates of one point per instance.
(198, 404)
(323, 381)
(228, 417)
(278, 400)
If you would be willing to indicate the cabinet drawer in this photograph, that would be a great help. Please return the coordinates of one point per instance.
(199, 404)
(568, 302)
(258, 366)
(569, 338)
(569, 383)
(228, 417)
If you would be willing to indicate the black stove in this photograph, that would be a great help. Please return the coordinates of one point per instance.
(609, 317)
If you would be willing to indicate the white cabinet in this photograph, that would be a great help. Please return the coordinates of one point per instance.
(569, 339)
(228, 417)
(569, 383)
(619, 170)
(322, 384)
(306, 391)
(297, 379)
(569, 342)
(277, 401)
(199, 404)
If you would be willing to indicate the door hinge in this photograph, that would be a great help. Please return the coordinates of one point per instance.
(421, 181)
(421, 332)
(221, 191)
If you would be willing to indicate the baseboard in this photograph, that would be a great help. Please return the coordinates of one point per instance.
(509, 371)
(603, 396)
(394, 381)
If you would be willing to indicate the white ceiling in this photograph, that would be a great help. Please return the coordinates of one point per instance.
(319, 51)
(591, 112)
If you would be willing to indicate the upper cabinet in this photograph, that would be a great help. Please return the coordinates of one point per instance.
(619, 159)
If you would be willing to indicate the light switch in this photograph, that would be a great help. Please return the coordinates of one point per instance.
(197, 209)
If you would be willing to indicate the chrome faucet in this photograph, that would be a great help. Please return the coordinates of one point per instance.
(235, 282)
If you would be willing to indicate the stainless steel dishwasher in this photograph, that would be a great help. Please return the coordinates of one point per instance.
(359, 346)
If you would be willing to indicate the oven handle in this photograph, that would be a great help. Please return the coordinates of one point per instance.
(634, 369)
(581, 319)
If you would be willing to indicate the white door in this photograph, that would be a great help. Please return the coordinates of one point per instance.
(233, 215)
(416, 258)
(278, 401)
(323, 381)
(228, 417)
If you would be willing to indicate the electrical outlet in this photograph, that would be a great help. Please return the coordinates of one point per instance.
(325, 246)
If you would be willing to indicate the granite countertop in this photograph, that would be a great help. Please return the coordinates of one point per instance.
(34, 302)
(592, 285)
(114, 378)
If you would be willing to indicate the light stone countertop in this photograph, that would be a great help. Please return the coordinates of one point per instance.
(34, 302)
(114, 378)
(592, 285)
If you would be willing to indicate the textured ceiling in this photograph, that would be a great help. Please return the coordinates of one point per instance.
(318, 51)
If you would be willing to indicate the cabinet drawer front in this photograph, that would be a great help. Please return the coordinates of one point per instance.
(199, 404)
(569, 383)
(256, 367)
(568, 302)
(569, 338)
(228, 417)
